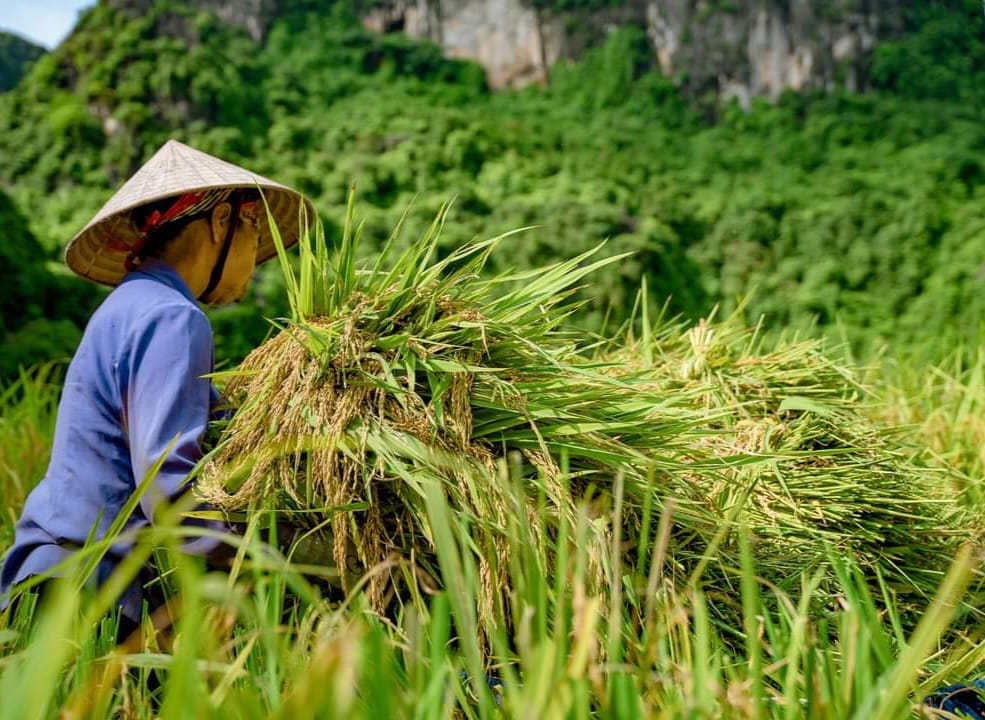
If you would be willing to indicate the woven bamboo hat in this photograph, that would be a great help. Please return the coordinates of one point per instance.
(102, 249)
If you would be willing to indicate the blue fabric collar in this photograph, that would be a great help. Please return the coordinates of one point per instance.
(163, 273)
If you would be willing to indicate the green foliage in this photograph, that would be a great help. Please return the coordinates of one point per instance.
(41, 313)
(942, 57)
(862, 214)
(117, 87)
(21, 268)
(28, 402)
(858, 215)
(38, 341)
(609, 76)
(71, 120)
(16, 56)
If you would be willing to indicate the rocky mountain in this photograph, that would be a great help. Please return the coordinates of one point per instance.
(737, 48)
(253, 16)
(729, 48)
(16, 56)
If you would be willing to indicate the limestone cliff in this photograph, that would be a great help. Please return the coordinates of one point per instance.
(253, 16)
(726, 48)
(734, 48)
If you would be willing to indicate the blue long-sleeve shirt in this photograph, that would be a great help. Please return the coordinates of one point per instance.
(135, 384)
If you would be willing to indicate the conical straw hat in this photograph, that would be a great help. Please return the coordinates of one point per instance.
(100, 251)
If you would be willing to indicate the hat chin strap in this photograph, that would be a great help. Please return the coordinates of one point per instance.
(220, 264)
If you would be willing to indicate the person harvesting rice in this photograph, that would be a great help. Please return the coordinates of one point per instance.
(185, 229)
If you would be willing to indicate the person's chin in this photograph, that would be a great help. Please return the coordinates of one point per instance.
(219, 299)
(236, 296)
(228, 296)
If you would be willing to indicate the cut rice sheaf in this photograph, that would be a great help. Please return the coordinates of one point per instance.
(428, 372)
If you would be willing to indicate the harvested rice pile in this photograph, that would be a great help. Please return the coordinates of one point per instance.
(414, 371)
(830, 482)
(387, 380)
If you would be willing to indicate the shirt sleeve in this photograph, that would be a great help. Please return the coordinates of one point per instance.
(167, 403)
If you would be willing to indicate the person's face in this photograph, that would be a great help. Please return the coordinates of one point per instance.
(241, 260)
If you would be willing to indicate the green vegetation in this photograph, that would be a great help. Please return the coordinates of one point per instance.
(861, 214)
(265, 645)
(574, 5)
(27, 425)
(940, 58)
(41, 310)
(16, 57)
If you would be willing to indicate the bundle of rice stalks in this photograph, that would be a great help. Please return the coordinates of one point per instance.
(419, 372)
(831, 480)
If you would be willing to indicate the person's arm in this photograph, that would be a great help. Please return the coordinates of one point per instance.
(167, 405)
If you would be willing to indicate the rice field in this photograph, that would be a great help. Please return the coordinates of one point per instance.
(503, 517)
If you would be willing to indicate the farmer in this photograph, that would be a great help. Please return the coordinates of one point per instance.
(187, 228)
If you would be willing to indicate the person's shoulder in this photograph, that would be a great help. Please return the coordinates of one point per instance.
(138, 306)
(145, 288)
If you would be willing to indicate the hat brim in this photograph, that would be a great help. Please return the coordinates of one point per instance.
(100, 251)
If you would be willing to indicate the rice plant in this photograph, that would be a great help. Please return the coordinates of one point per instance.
(260, 642)
(27, 426)
(423, 371)
(941, 408)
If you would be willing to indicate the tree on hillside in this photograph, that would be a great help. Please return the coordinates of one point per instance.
(16, 57)
(41, 313)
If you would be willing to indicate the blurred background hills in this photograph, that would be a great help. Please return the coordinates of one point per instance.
(822, 159)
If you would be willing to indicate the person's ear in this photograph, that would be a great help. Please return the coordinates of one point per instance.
(220, 221)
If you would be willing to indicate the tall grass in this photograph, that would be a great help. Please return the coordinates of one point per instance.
(261, 642)
(27, 425)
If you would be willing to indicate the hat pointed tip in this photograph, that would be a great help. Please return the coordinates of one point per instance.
(174, 146)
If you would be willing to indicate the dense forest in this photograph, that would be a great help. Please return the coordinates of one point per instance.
(862, 215)
(16, 57)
